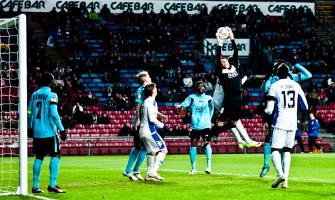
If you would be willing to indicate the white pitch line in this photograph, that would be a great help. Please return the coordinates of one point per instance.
(250, 175)
(27, 195)
(39, 197)
(215, 173)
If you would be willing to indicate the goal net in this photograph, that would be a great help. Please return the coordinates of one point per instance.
(13, 106)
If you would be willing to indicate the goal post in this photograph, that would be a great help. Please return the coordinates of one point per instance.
(13, 106)
(23, 188)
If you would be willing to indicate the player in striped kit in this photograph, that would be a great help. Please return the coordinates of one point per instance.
(154, 144)
(284, 97)
(43, 124)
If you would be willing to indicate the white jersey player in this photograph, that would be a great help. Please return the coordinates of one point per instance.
(153, 142)
(285, 96)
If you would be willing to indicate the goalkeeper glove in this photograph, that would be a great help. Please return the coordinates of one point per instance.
(219, 40)
(30, 133)
(63, 135)
(231, 34)
(293, 60)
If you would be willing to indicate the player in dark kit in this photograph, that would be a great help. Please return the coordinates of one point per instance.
(228, 72)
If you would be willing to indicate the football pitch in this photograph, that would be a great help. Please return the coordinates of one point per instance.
(235, 176)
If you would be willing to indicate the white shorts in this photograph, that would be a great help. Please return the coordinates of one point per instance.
(153, 142)
(282, 138)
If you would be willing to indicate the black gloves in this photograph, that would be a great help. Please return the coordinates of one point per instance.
(30, 133)
(63, 135)
(293, 60)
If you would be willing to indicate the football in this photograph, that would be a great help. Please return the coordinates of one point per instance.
(223, 33)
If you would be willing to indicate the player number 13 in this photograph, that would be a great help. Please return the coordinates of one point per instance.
(289, 98)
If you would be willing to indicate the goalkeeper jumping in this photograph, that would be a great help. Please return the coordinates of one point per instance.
(229, 77)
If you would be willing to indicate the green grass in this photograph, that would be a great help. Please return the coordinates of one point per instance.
(235, 176)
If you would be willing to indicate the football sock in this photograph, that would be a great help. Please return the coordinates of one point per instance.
(242, 131)
(53, 167)
(193, 155)
(267, 152)
(132, 158)
(150, 162)
(159, 160)
(236, 135)
(209, 155)
(287, 163)
(140, 158)
(276, 158)
(36, 172)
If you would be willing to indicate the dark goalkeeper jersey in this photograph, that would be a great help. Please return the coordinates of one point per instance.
(230, 79)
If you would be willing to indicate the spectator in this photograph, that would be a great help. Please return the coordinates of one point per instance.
(90, 99)
(77, 112)
(322, 97)
(87, 118)
(68, 122)
(105, 12)
(93, 16)
(176, 130)
(183, 93)
(245, 97)
(59, 81)
(246, 112)
(313, 134)
(329, 80)
(184, 131)
(109, 92)
(95, 118)
(80, 99)
(104, 119)
(254, 82)
(298, 137)
(111, 104)
(187, 118)
(125, 130)
(170, 96)
(331, 92)
(314, 97)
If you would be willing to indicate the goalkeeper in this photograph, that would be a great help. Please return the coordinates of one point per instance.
(229, 77)
(302, 74)
(43, 122)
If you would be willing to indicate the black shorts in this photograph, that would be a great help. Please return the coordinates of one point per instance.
(46, 146)
(200, 133)
(137, 140)
(231, 112)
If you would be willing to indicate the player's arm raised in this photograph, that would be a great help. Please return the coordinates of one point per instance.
(305, 74)
(233, 43)
(303, 104)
